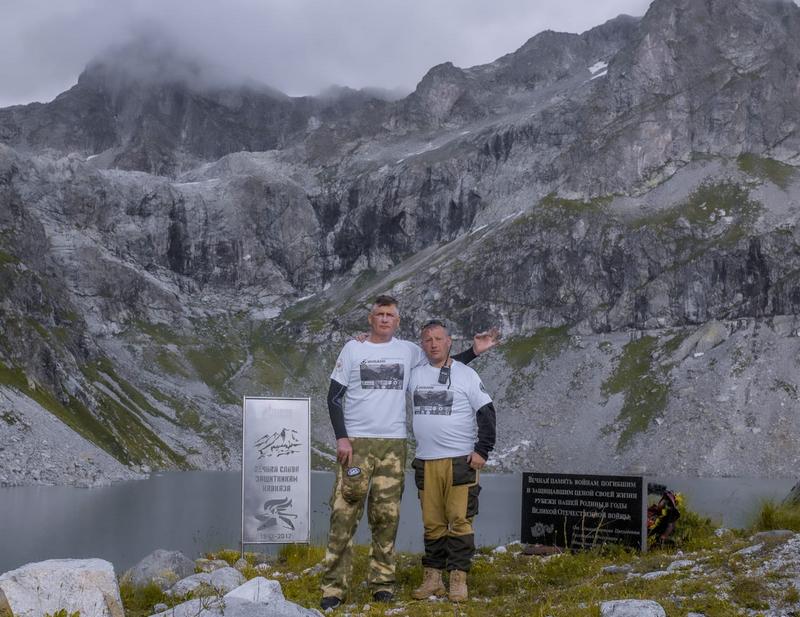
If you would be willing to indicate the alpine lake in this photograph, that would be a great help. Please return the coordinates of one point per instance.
(200, 511)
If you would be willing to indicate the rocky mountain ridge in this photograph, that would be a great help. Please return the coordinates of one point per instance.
(169, 245)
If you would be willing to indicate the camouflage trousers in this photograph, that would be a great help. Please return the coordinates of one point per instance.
(377, 475)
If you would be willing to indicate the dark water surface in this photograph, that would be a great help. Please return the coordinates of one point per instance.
(200, 511)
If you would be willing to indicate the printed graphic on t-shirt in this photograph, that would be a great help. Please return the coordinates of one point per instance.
(384, 374)
(433, 401)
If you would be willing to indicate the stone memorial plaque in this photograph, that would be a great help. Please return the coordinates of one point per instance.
(276, 470)
(582, 511)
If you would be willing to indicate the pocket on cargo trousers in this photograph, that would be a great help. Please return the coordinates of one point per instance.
(462, 472)
(355, 484)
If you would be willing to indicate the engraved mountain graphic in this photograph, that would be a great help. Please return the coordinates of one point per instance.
(279, 443)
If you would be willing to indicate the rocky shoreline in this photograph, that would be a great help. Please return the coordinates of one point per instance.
(38, 449)
(716, 573)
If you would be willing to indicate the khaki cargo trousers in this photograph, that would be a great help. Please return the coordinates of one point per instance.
(376, 474)
(448, 493)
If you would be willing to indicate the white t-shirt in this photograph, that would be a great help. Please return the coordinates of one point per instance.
(376, 376)
(444, 414)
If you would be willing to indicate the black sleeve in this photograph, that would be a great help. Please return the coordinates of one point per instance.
(336, 393)
(487, 425)
(466, 356)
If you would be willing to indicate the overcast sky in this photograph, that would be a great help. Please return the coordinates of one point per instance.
(297, 46)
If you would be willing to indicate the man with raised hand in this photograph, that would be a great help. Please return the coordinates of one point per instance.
(367, 404)
(454, 425)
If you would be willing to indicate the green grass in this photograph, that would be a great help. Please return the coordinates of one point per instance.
(644, 385)
(160, 333)
(215, 365)
(671, 345)
(10, 418)
(103, 372)
(170, 363)
(355, 298)
(772, 515)
(7, 259)
(606, 347)
(694, 532)
(113, 427)
(720, 583)
(63, 613)
(776, 172)
(511, 584)
(545, 343)
(574, 206)
(138, 601)
(750, 592)
(279, 361)
(40, 329)
(703, 210)
(703, 207)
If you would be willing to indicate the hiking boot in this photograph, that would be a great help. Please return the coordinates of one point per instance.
(458, 586)
(383, 596)
(330, 602)
(431, 585)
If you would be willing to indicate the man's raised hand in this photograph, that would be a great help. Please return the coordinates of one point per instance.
(484, 341)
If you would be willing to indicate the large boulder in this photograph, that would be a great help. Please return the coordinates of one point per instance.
(222, 580)
(162, 567)
(88, 586)
(258, 597)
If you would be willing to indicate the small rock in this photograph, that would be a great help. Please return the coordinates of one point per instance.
(680, 563)
(657, 574)
(258, 589)
(315, 569)
(268, 596)
(721, 531)
(750, 550)
(160, 607)
(224, 580)
(161, 567)
(774, 534)
(631, 608)
(241, 563)
(500, 549)
(624, 569)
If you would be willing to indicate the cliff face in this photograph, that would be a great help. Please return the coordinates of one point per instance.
(170, 241)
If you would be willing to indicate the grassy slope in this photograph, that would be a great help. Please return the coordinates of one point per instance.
(720, 583)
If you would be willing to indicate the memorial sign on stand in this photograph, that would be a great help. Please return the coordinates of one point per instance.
(582, 511)
(276, 470)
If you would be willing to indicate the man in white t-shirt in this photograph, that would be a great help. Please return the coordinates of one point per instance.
(367, 404)
(454, 425)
